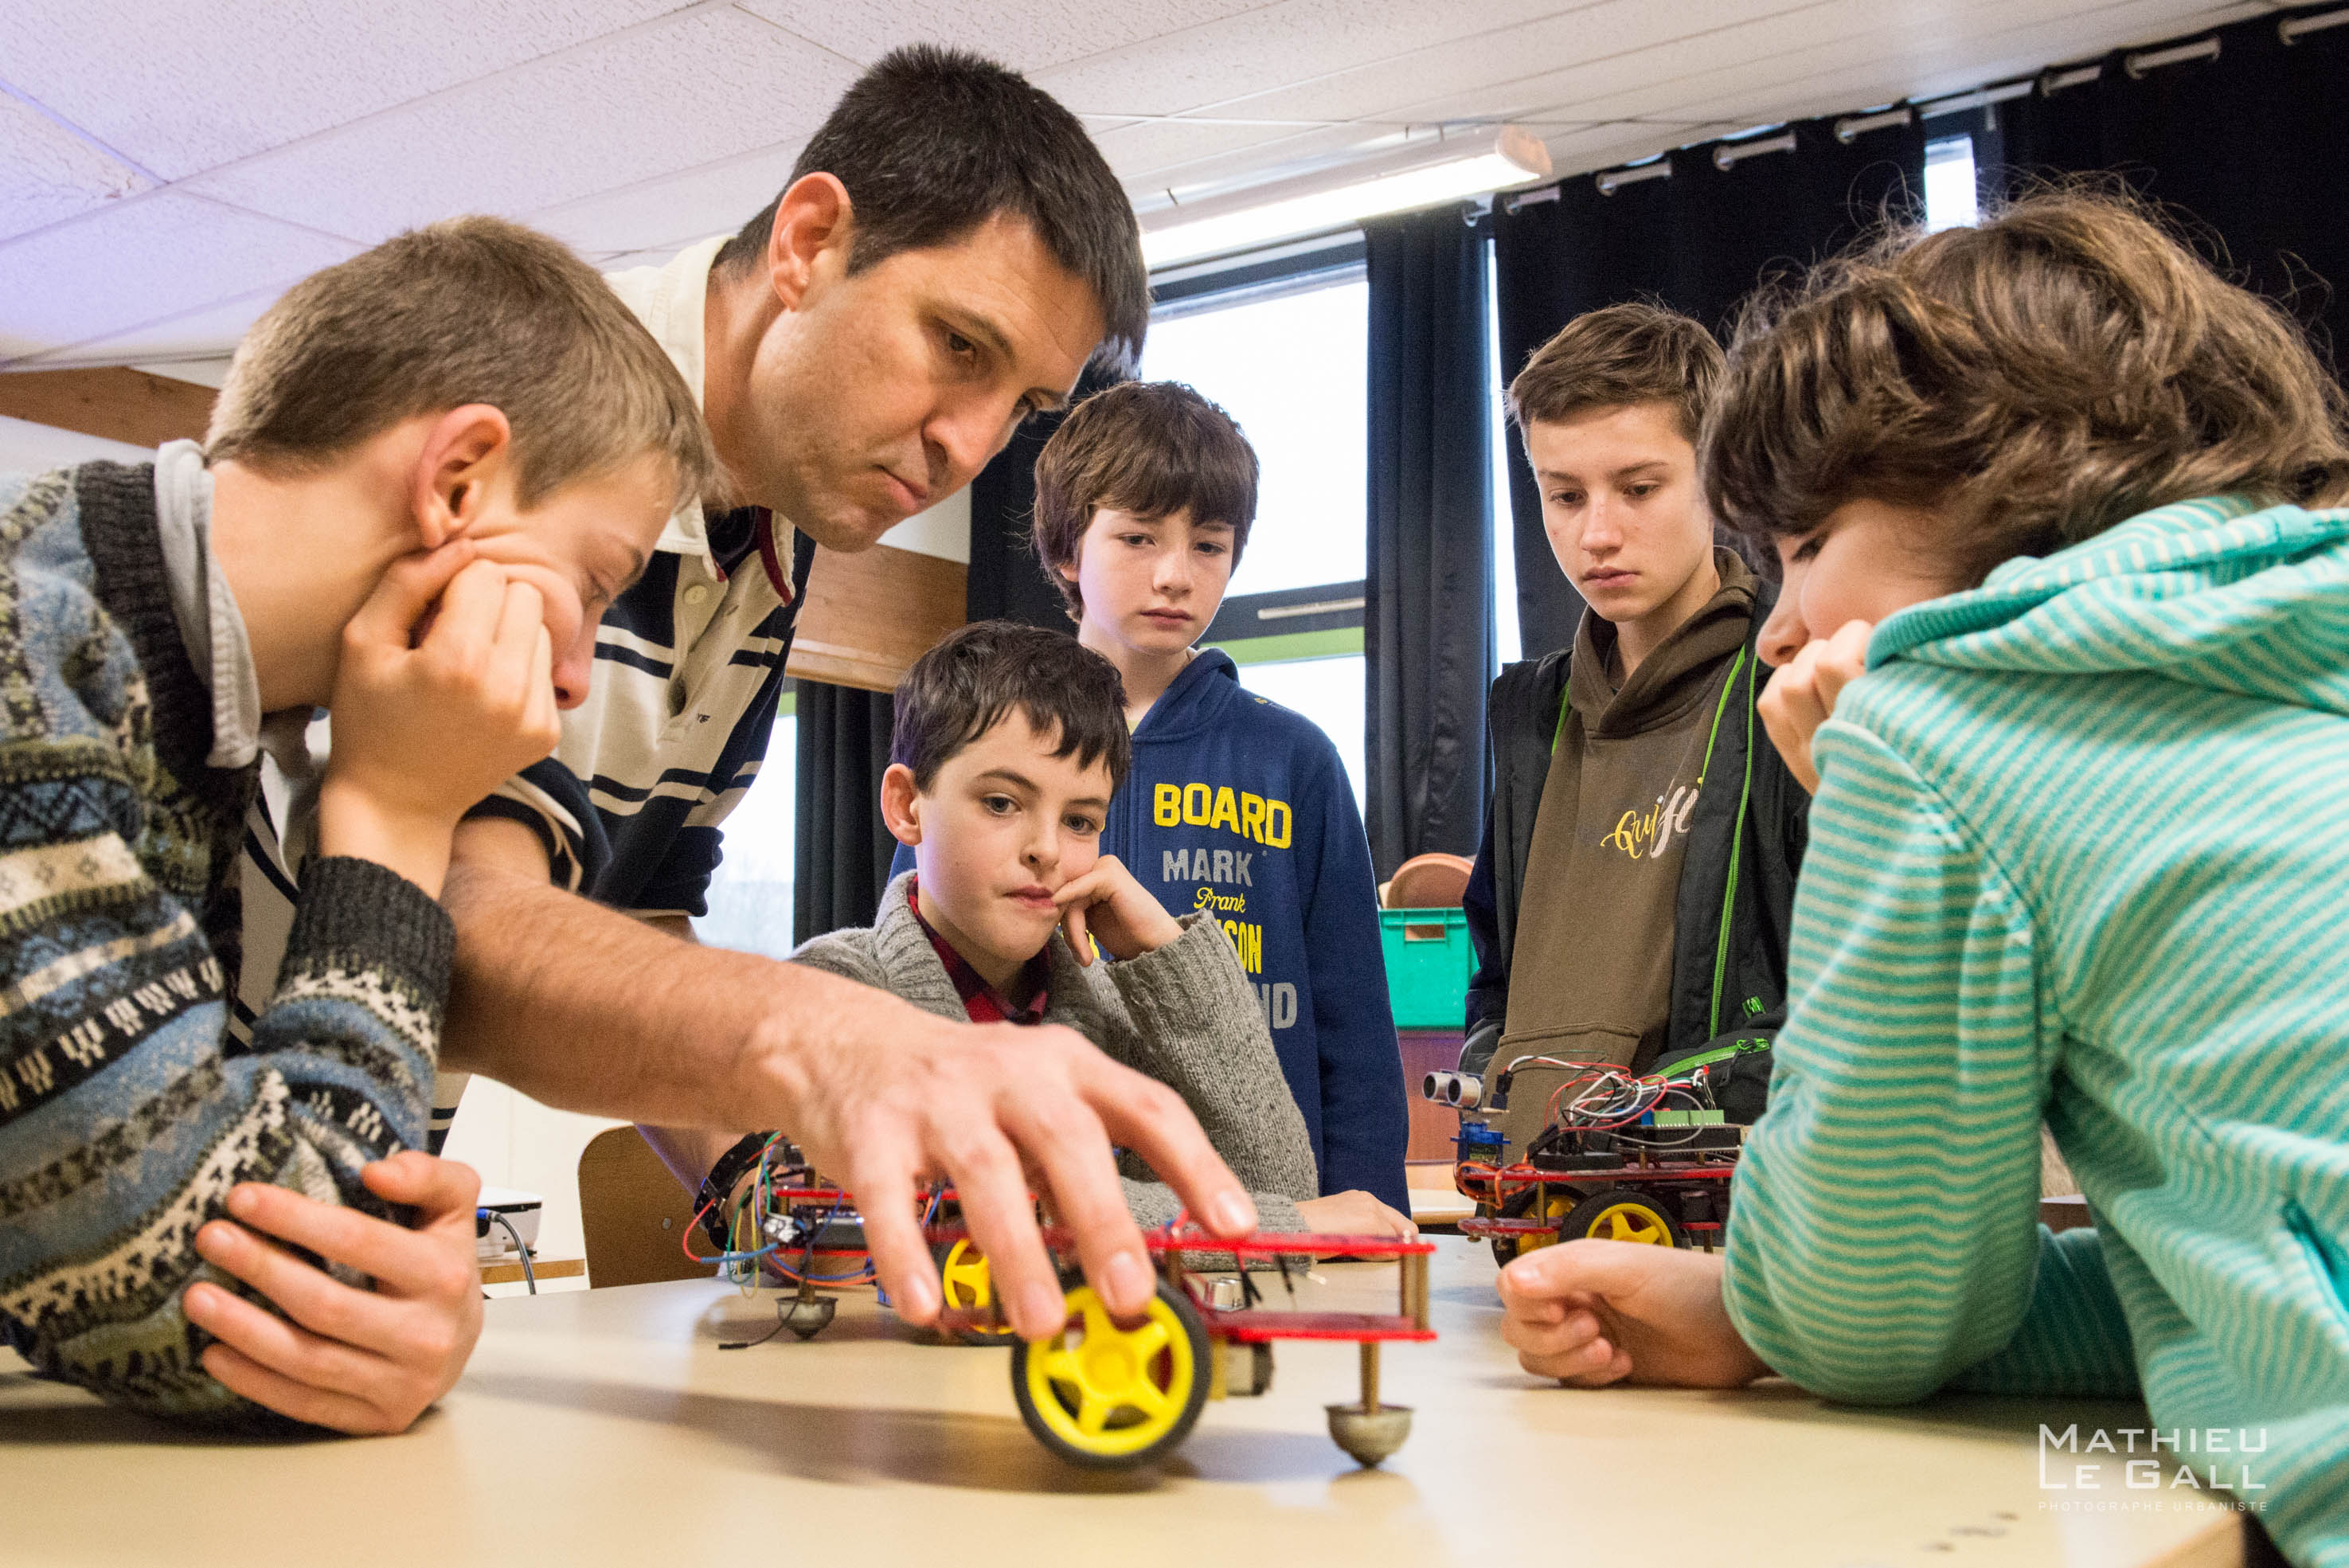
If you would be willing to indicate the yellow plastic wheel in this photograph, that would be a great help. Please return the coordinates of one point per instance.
(1100, 1394)
(1507, 1248)
(1622, 1216)
(963, 1280)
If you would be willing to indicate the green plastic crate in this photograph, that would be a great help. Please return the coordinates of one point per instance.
(1430, 962)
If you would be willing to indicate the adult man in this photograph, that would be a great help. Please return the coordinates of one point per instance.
(949, 252)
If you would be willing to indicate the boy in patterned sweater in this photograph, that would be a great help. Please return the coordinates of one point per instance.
(429, 470)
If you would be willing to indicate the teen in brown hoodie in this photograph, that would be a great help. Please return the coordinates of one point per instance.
(1632, 895)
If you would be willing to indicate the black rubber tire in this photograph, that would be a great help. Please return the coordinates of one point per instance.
(1187, 1316)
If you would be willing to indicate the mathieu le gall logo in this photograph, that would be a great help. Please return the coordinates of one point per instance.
(2126, 1463)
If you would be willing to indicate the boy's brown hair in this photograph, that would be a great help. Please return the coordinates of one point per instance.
(976, 677)
(1149, 448)
(2035, 379)
(1615, 357)
(472, 310)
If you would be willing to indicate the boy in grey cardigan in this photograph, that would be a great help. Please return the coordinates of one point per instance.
(1183, 1012)
(1008, 743)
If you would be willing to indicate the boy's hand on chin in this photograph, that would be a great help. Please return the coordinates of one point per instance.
(1107, 903)
(429, 721)
(1593, 1313)
(1802, 695)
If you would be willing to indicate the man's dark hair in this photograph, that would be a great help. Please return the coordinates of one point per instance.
(931, 144)
(968, 684)
(1148, 448)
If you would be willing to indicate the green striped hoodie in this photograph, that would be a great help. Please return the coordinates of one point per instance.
(2081, 853)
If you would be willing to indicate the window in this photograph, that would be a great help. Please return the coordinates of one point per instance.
(1508, 639)
(1328, 692)
(1292, 366)
(1287, 356)
(751, 895)
(1951, 197)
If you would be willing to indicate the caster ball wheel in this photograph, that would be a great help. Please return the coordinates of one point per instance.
(808, 1316)
(1369, 1436)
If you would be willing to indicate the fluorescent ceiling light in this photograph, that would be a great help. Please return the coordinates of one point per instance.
(1432, 172)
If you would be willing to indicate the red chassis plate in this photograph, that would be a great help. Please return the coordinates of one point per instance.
(1260, 1325)
(1627, 1176)
(1261, 1245)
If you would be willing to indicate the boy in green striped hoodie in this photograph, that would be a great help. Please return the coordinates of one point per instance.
(2066, 636)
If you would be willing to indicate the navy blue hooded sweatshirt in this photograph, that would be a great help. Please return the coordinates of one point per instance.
(1237, 804)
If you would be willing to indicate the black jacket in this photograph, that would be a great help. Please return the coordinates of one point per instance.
(1737, 879)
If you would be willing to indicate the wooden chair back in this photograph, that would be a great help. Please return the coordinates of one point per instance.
(1431, 881)
(634, 1214)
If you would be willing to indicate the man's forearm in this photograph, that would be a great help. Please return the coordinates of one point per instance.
(589, 1010)
(585, 1009)
(688, 1152)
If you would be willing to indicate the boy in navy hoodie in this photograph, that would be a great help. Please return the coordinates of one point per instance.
(1143, 500)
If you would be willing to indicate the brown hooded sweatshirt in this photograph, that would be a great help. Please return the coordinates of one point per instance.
(1591, 970)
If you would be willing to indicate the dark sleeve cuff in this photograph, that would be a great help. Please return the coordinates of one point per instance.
(679, 884)
(357, 915)
(548, 798)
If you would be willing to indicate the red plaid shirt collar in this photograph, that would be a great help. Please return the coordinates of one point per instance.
(981, 1002)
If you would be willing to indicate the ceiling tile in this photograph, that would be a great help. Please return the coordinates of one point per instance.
(705, 87)
(1294, 154)
(1164, 151)
(670, 212)
(1764, 74)
(1475, 67)
(193, 346)
(51, 173)
(1027, 35)
(1271, 46)
(185, 86)
(143, 261)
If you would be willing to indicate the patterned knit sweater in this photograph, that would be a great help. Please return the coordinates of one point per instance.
(2081, 852)
(125, 1115)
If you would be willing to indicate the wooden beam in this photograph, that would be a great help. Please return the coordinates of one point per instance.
(118, 404)
(870, 614)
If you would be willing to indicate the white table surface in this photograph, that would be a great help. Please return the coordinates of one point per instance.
(607, 1427)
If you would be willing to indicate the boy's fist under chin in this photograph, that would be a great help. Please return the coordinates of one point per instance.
(426, 726)
(1107, 903)
(427, 722)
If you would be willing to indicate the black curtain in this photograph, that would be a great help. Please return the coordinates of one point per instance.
(841, 861)
(1697, 240)
(1007, 582)
(2246, 148)
(1427, 625)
